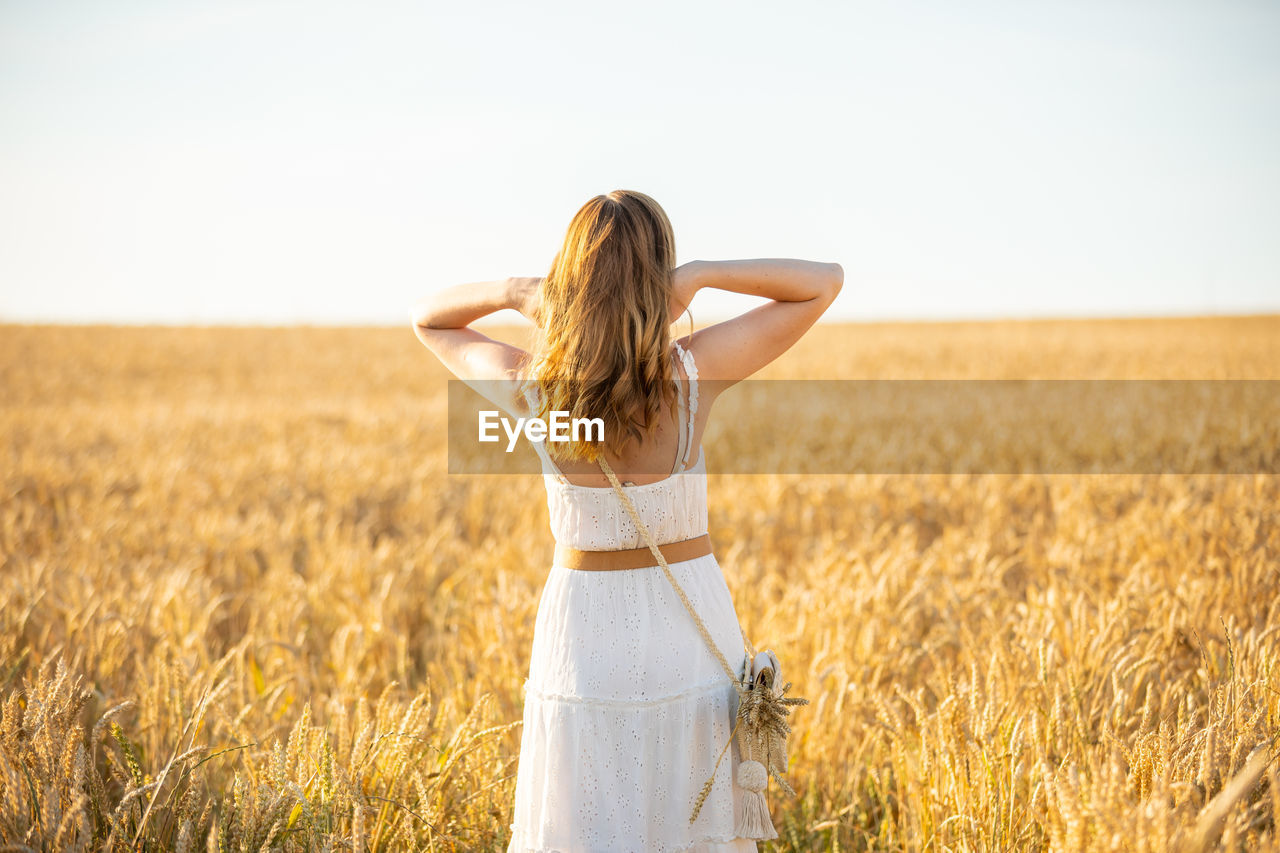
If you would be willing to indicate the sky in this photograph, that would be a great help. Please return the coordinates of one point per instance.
(269, 162)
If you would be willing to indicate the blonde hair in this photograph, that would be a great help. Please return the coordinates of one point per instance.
(603, 322)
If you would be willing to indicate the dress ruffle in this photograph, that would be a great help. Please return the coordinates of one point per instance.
(627, 774)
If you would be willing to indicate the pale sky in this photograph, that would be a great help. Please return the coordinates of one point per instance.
(267, 162)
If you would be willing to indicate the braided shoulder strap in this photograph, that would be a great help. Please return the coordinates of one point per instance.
(760, 728)
(662, 561)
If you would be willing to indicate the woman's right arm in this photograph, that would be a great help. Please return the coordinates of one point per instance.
(800, 292)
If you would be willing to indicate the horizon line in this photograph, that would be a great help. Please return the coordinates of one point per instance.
(487, 322)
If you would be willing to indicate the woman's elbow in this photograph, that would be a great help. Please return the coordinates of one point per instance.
(835, 282)
(422, 323)
(419, 316)
(425, 322)
(426, 314)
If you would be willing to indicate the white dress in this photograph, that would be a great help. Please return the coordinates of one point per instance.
(626, 710)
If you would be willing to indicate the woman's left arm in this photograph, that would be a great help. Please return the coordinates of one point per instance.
(441, 321)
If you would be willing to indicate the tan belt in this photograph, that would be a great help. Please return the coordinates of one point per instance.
(632, 558)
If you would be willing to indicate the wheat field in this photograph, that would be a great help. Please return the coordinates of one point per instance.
(244, 607)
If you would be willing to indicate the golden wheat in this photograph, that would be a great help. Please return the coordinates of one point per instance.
(245, 608)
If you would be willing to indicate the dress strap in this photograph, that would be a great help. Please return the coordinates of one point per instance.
(540, 447)
(691, 374)
(682, 445)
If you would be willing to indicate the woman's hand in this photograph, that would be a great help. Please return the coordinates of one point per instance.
(525, 295)
(685, 282)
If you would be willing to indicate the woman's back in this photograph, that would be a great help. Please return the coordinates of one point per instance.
(674, 508)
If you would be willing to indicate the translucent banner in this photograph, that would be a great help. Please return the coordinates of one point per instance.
(999, 426)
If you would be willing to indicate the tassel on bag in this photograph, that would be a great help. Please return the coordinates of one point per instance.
(753, 819)
(761, 727)
(762, 741)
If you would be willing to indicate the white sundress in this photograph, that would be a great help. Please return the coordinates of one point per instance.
(625, 708)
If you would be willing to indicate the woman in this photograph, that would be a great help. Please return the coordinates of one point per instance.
(626, 707)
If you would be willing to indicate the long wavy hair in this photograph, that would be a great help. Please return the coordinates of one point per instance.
(604, 322)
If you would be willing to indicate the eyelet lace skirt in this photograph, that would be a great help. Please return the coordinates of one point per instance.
(626, 711)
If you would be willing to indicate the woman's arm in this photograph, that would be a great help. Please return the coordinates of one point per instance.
(800, 292)
(441, 321)
(779, 279)
(461, 305)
